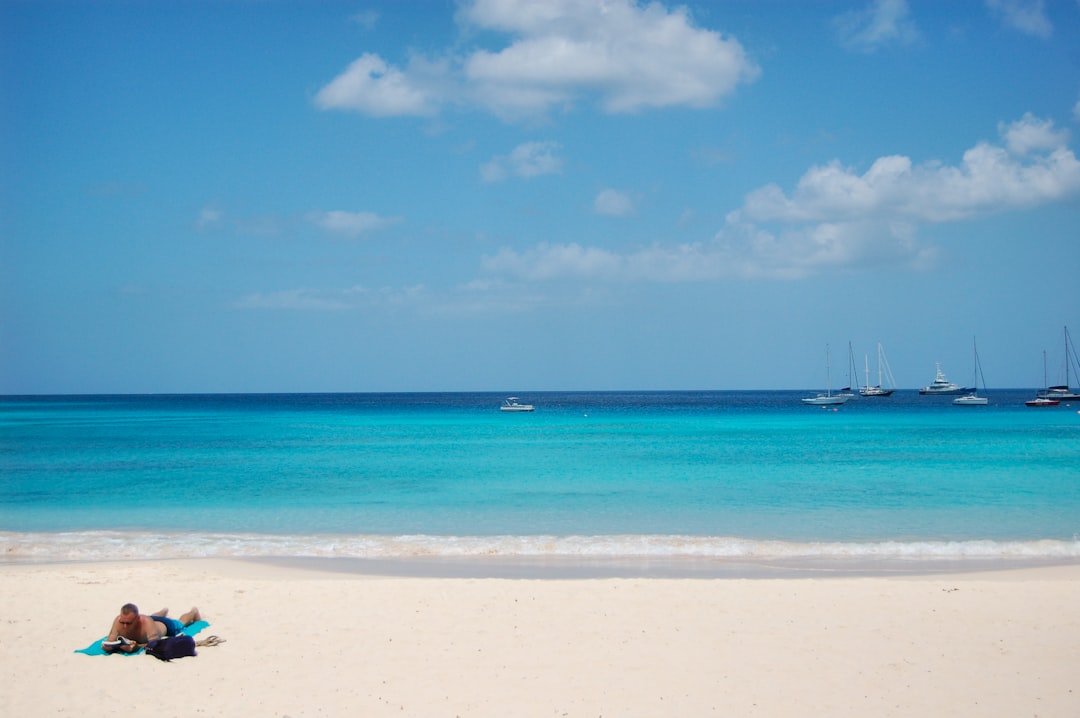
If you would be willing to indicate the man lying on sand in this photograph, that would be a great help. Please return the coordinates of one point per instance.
(131, 630)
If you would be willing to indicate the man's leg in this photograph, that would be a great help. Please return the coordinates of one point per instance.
(190, 617)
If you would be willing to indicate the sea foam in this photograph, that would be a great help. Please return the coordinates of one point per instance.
(17, 547)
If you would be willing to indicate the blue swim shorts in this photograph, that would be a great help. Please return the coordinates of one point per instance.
(172, 626)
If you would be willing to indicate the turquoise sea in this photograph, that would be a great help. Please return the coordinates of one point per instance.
(712, 476)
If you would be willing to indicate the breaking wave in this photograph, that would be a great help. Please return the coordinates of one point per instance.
(122, 545)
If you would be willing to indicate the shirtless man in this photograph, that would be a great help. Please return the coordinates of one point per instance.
(140, 629)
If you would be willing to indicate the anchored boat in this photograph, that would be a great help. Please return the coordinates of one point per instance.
(973, 399)
(513, 404)
(828, 398)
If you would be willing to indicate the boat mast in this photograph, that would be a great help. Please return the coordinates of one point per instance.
(978, 369)
(828, 373)
(1045, 385)
(879, 350)
(853, 373)
(1072, 359)
(883, 368)
(1066, 358)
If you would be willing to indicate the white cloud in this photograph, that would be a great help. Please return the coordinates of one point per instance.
(631, 57)
(209, 218)
(1031, 134)
(547, 261)
(350, 224)
(613, 203)
(795, 251)
(1033, 167)
(836, 218)
(627, 56)
(686, 262)
(366, 19)
(1027, 16)
(372, 87)
(306, 299)
(212, 218)
(528, 160)
(883, 22)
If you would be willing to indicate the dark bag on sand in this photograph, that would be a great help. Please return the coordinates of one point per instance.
(172, 647)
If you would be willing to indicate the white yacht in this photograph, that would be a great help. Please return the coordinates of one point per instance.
(883, 371)
(942, 386)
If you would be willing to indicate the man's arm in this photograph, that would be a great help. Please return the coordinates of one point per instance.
(126, 646)
(114, 634)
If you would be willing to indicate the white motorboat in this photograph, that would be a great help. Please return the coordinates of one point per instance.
(942, 386)
(512, 403)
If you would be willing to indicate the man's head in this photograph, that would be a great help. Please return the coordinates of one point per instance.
(129, 614)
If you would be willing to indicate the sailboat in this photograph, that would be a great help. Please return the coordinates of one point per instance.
(1062, 392)
(882, 368)
(853, 377)
(828, 398)
(973, 399)
(1041, 400)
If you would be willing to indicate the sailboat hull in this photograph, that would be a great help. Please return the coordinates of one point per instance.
(825, 400)
(1060, 393)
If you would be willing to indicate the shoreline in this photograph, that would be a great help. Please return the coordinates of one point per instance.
(559, 568)
(306, 639)
(563, 567)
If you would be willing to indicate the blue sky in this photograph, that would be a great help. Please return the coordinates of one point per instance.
(511, 196)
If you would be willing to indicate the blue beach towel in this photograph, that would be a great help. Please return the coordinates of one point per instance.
(95, 649)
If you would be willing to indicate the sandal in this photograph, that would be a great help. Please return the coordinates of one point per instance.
(211, 641)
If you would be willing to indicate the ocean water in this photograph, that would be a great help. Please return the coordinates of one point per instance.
(596, 475)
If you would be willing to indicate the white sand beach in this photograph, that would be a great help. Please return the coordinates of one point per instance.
(315, 643)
